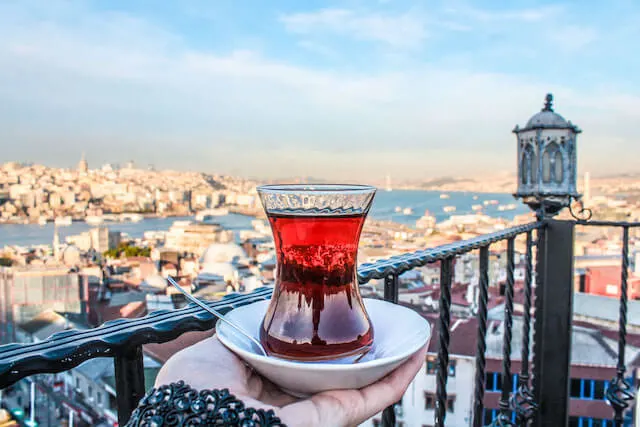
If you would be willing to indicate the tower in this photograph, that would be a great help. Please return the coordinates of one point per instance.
(388, 183)
(83, 166)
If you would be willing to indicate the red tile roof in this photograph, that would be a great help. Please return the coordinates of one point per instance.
(458, 298)
(462, 338)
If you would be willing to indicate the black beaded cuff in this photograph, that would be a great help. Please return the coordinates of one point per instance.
(178, 404)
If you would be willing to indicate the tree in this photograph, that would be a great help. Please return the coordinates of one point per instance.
(128, 250)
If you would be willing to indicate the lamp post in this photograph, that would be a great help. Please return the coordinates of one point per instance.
(547, 162)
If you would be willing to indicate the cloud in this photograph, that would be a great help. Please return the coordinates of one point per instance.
(119, 86)
(573, 37)
(400, 31)
(318, 48)
(455, 26)
(506, 15)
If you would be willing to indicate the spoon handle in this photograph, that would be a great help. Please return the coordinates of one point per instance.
(219, 315)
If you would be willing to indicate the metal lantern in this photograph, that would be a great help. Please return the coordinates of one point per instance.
(547, 162)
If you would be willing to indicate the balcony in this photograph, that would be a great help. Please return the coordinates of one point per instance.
(521, 350)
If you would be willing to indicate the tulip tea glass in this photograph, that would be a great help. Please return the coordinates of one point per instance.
(316, 311)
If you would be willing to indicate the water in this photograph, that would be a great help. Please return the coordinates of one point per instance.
(383, 208)
(385, 203)
(35, 234)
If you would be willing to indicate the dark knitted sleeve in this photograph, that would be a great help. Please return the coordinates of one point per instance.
(178, 404)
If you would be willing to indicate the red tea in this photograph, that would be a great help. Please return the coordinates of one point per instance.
(316, 311)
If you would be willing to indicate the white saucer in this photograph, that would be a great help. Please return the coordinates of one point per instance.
(398, 333)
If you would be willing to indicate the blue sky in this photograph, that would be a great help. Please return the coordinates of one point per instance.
(348, 90)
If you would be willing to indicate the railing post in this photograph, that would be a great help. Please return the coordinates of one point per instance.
(129, 382)
(523, 401)
(443, 342)
(620, 392)
(504, 418)
(552, 335)
(481, 344)
(391, 292)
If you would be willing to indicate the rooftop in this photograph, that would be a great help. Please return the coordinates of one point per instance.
(46, 324)
(604, 308)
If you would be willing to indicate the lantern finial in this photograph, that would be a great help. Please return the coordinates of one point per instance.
(547, 161)
(548, 104)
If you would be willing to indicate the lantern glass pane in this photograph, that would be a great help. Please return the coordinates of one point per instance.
(558, 165)
(526, 173)
(546, 167)
(571, 159)
(534, 167)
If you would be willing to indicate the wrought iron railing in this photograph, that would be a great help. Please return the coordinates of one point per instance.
(621, 392)
(542, 393)
(390, 269)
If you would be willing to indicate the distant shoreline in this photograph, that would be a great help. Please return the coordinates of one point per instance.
(440, 190)
(251, 212)
(27, 221)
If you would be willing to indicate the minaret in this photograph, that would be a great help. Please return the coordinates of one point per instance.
(56, 242)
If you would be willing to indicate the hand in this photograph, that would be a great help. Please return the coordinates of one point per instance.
(210, 365)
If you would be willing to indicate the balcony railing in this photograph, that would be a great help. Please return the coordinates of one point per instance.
(541, 397)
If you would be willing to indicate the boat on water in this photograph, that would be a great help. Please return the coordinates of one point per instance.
(63, 220)
(209, 214)
(509, 207)
(407, 211)
(398, 209)
(449, 209)
(475, 197)
(490, 202)
(476, 207)
(444, 196)
(131, 217)
(94, 219)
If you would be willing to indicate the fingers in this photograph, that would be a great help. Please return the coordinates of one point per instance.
(352, 407)
(391, 388)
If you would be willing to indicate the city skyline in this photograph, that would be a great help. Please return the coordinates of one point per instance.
(342, 90)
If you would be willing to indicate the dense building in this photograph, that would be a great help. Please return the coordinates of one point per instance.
(93, 383)
(38, 194)
(593, 365)
(100, 239)
(605, 280)
(195, 238)
(25, 293)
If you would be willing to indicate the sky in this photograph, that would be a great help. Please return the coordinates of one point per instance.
(345, 90)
